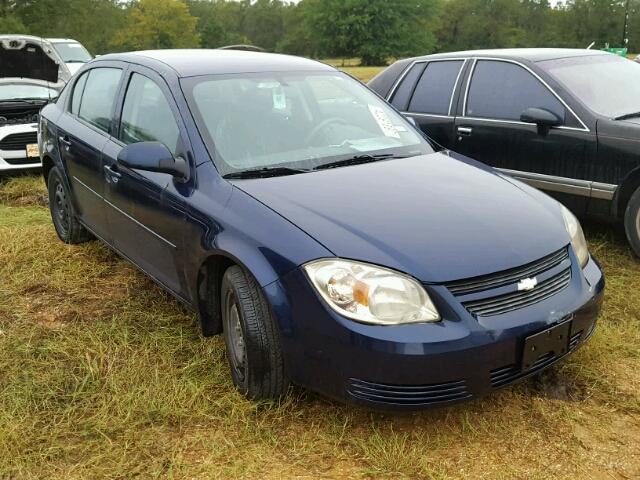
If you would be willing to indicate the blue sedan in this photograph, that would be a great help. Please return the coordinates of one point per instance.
(303, 218)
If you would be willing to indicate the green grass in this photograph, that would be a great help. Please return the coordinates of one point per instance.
(103, 375)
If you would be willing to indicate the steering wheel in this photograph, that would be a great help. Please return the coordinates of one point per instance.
(321, 126)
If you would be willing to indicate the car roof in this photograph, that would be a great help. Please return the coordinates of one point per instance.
(530, 54)
(195, 62)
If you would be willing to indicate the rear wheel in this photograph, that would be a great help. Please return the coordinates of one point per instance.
(67, 226)
(251, 337)
(632, 222)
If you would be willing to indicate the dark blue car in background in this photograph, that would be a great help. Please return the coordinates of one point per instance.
(316, 228)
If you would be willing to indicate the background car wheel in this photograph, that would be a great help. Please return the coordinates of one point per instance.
(67, 226)
(632, 222)
(251, 337)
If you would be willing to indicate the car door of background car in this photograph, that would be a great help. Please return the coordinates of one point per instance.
(427, 92)
(83, 130)
(144, 226)
(489, 129)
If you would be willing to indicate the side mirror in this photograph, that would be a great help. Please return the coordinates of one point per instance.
(153, 157)
(543, 118)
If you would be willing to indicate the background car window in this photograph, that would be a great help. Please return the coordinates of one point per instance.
(403, 93)
(98, 97)
(77, 93)
(435, 88)
(503, 90)
(147, 116)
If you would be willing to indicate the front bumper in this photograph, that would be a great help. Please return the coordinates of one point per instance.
(16, 158)
(422, 365)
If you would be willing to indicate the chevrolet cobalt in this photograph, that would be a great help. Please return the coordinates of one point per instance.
(314, 227)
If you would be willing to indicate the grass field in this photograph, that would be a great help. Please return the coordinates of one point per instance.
(103, 375)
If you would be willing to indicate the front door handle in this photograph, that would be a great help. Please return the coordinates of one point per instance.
(65, 141)
(465, 131)
(111, 175)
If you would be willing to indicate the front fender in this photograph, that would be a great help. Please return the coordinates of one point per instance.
(227, 222)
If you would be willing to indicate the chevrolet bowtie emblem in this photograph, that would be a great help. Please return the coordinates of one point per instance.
(527, 284)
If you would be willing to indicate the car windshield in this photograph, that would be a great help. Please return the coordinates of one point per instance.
(22, 92)
(72, 52)
(299, 120)
(607, 84)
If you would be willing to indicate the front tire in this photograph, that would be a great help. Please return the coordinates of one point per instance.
(632, 222)
(251, 337)
(67, 226)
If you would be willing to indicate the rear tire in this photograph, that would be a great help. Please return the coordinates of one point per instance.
(251, 337)
(632, 222)
(65, 221)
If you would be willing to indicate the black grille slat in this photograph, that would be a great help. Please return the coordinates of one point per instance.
(409, 394)
(575, 340)
(18, 141)
(486, 282)
(513, 301)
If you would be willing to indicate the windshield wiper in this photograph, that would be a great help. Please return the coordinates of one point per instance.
(627, 116)
(265, 172)
(25, 100)
(358, 160)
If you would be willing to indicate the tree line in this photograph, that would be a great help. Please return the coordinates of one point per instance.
(373, 30)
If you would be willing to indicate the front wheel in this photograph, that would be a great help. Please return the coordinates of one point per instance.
(251, 337)
(632, 222)
(67, 225)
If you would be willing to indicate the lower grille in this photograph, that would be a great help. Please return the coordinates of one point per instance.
(18, 141)
(514, 301)
(505, 375)
(409, 394)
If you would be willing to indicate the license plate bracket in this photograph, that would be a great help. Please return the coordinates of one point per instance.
(552, 340)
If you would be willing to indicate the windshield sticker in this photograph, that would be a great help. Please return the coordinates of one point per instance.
(279, 99)
(383, 122)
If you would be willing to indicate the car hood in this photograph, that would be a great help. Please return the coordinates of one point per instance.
(438, 217)
(23, 57)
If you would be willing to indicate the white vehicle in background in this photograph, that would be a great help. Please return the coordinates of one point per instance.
(71, 51)
(31, 75)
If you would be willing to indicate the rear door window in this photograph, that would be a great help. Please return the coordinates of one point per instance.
(434, 92)
(99, 95)
(403, 92)
(503, 90)
(147, 115)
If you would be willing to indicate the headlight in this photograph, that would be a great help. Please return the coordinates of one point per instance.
(578, 241)
(371, 294)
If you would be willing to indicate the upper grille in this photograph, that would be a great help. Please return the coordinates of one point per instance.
(409, 394)
(500, 279)
(513, 301)
(18, 141)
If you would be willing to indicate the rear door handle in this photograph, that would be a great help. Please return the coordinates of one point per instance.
(65, 141)
(465, 131)
(111, 175)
